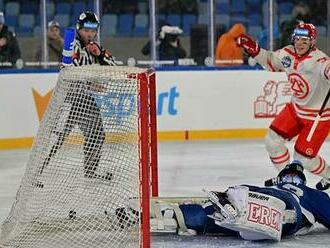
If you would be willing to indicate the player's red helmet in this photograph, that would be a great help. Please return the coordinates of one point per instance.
(305, 30)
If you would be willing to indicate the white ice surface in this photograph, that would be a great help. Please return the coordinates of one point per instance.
(184, 169)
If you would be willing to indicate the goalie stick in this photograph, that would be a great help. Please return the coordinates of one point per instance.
(318, 117)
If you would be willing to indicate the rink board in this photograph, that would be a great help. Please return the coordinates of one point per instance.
(190, 104)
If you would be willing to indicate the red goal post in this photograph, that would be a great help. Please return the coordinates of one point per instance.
(93, 165)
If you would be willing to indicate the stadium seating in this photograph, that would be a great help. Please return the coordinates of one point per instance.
(286, 7)
(174, 20)
(78, 7)
(12, 9)
(25, 24)
(141, 25)
(238, 6)
(63, 19)
(222, 8)
(63, 8)
(223, 19)
(29, 7)
(109, 24)
(50, 9)
(187, 21)
(254, 6)
(203, 19)
(125, 24)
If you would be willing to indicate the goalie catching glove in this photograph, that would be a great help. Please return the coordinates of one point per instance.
(248, 44)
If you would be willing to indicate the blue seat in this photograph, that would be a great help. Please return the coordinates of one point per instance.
(222, 1)
(285, 8)
(254, 31)
(254, 6)
(125, 24)
(141, 20)
(90, 6)
(222, 8)
(223, 19)
(78, 7)
(50, 9)
(321, 30)
(24, 31)
(26, 20)
(174, 20)
(143, 7)
(29, 7)
(238, 6)
(74, 18)
(109, 24)
(141, 25)
(238, 18)
(187, 21)
(12, 9)
(11, 21)
(255, 19)
(63, 20)
(63, 8)
(202, 8)
(203, 19)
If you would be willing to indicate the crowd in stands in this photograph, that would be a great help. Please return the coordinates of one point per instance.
(132, 18)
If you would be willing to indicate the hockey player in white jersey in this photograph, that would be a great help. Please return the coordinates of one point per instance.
(308, 71)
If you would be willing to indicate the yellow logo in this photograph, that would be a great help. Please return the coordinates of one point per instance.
(41, 102)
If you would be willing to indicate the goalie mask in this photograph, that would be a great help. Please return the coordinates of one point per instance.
(88, 20)
(292, 173)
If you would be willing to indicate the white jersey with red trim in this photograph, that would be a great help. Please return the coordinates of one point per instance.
(308, 76)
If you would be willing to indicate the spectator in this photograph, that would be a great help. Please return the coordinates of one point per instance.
(54, 43)
(9, 49)
(300, 13)
(227, 49)
(168, 44)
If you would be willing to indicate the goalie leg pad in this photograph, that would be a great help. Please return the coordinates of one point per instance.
(260, 216)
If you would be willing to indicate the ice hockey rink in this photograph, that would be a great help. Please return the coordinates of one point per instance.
(185, 168)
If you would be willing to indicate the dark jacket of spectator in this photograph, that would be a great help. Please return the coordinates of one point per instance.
(9, 49)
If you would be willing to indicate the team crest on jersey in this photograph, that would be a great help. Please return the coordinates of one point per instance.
(286, 62)
(299, 85)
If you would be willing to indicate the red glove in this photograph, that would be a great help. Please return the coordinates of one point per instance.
(250, 46)
(94, 48)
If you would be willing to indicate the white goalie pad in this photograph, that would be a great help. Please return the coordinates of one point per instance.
(260, 216)
(168, 218)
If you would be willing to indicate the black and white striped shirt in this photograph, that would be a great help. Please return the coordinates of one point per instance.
(82, 57)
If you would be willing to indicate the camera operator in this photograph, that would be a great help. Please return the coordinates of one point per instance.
(168, 44)
(170, 47)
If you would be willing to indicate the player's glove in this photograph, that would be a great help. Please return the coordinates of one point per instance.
(248, 44)
(94, 48)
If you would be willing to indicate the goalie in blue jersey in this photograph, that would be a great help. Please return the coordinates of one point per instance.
(287, 207)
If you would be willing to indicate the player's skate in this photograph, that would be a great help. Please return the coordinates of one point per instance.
(222, 205)
(323, 185)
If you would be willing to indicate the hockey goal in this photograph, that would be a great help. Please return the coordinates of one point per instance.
(93, 164)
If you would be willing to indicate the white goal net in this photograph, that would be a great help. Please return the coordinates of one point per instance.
(84, 182)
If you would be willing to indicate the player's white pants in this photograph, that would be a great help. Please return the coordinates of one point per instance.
(277, 150)
(279, 155)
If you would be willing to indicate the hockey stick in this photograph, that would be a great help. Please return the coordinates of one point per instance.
(318, 117)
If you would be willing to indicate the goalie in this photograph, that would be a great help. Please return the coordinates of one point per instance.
(255, 213)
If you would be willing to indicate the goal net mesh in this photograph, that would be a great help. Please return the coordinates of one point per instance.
(81, 184)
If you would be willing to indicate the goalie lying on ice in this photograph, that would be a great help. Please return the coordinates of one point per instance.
(255, 213)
